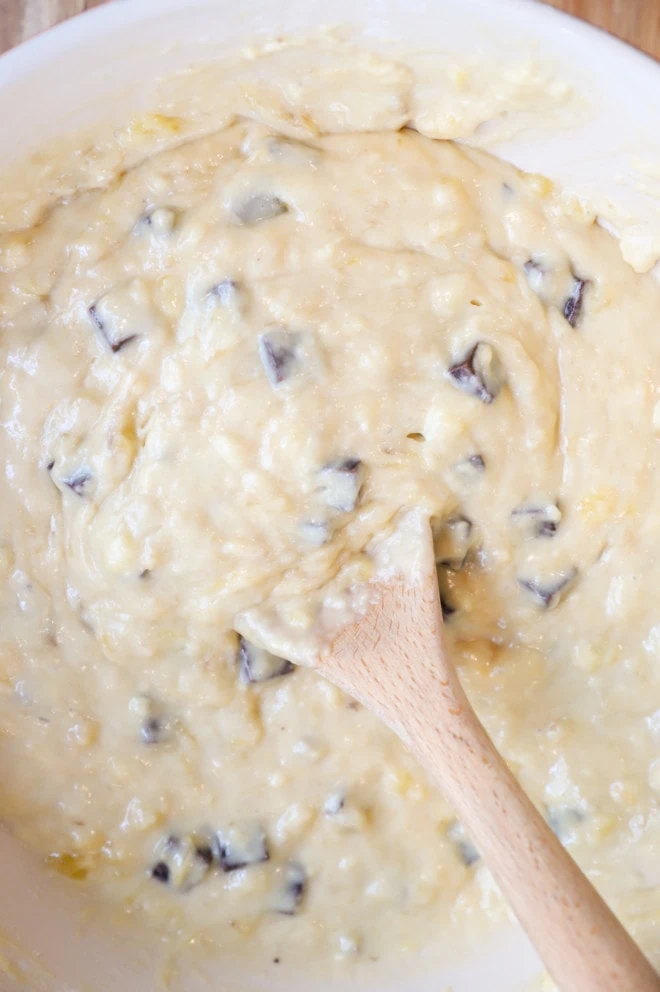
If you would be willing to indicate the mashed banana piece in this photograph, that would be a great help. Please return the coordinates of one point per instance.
(224, 373)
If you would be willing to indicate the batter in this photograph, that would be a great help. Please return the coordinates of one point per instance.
(225, 371)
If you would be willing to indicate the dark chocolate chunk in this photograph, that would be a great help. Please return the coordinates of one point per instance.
(447, 609)
(572, 309)
(154, 731)
(465, 849)
(334, 803)
(183, 862)
(292, 891)
(469, 469)
(259, 665)
(563, 821)
(480, 373)
(155, 728)
(546, 528)
(344, 811)
(468, 852)
(536, 273)
(116, 341)
(79, 482)
(260, 207)
(278, 351)
(538, 519)
(340, 484)
(205, 852)
(226, 291)
(161, 872)
(240, 846)
(315, 533)
(161, 220)
(549, 593)
(51, 465)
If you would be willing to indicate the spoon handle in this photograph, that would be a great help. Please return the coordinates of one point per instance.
(581, 942)
(396, 664)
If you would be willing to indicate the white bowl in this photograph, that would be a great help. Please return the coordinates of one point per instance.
(75, 74)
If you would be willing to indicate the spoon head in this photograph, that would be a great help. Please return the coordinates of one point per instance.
(399, 627)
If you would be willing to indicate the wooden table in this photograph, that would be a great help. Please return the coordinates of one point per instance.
(637, 21)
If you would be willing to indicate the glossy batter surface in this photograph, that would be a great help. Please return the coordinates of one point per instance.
(225, 370)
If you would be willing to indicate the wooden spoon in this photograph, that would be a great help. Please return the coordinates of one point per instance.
(393, 660)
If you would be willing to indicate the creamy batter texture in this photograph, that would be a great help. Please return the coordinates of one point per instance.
(226, 369)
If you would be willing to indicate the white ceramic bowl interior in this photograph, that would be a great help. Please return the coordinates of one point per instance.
(76, 74)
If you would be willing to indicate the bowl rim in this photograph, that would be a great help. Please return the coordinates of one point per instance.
(22, 56)
(35, 54)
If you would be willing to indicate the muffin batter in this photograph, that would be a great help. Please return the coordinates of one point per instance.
(225, 371)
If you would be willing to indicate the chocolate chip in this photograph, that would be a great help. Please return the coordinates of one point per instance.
(572, 309)
(259, 665)
(465, 849)
(260, 207)
(94, 314)
(154, 731)
(447, 609)
(278, 354)
(334, 803)
(292, 891)
(155, 728)
(227, 292)
(115, 340)
(468, 470)
(79, 482)
(344, 811)
(240, 846)
(563, 820)
(205, 852)
(161, 872)
(315, 533)
(480, 373)
(538, 519)
(536, 273)
(340, 484)
(161, 220)
(549, 593)
(51, 465)
(183, 862)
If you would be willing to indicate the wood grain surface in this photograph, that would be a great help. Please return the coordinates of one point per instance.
(636, 21)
